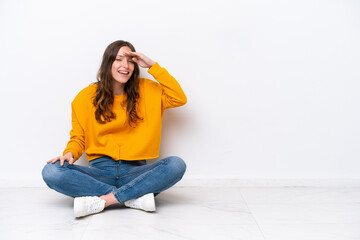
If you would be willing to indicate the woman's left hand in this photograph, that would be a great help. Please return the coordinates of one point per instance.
(140, 59)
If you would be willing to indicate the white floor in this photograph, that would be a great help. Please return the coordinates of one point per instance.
(190, 213)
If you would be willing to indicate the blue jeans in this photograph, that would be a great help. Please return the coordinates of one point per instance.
(125, 179)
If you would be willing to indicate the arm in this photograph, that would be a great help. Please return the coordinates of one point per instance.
(173, 95)
(75, 146)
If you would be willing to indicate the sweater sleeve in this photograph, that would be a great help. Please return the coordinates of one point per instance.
(76, 145)
(172, 94)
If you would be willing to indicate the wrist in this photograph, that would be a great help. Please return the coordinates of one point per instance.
(151, 64)
(69, 154)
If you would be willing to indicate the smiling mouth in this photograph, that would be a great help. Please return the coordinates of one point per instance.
(124, 73)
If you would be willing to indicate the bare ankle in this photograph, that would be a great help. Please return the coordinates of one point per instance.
(109, 198)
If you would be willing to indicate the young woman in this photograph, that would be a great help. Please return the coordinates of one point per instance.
(117, 122)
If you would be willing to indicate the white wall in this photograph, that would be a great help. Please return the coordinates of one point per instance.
(272, 86)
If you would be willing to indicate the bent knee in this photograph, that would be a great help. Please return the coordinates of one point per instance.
(178, 165)
(50, 173)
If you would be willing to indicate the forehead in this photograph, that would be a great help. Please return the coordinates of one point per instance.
(124, 49)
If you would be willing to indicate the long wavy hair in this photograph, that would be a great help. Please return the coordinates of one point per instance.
(104, 99)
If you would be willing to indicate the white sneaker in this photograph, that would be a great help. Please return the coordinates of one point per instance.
(146, 203)
(84, 206)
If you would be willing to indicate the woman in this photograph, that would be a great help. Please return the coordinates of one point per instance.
(117, 122)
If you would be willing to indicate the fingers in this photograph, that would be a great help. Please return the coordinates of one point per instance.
(62, 159)
(140, 59)
(132, 54)
(54, 160)
(69, 157)
(71, 160)
(135, 59)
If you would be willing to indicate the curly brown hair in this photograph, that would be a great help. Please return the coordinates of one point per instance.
(104, 99)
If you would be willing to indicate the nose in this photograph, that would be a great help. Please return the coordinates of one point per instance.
(125, 63)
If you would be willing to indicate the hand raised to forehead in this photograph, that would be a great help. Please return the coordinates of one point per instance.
(140, 59)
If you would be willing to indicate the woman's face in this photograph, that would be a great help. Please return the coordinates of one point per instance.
(123, 67)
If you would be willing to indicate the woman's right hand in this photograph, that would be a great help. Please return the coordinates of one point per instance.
(67, 157)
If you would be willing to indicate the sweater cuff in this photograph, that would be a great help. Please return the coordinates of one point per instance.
(155, 69)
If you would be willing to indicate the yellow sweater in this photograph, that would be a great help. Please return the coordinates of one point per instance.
(117, 139)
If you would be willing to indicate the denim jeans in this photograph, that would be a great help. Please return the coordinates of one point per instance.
(125, 179)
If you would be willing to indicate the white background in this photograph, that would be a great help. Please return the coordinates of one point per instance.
(272, 86)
